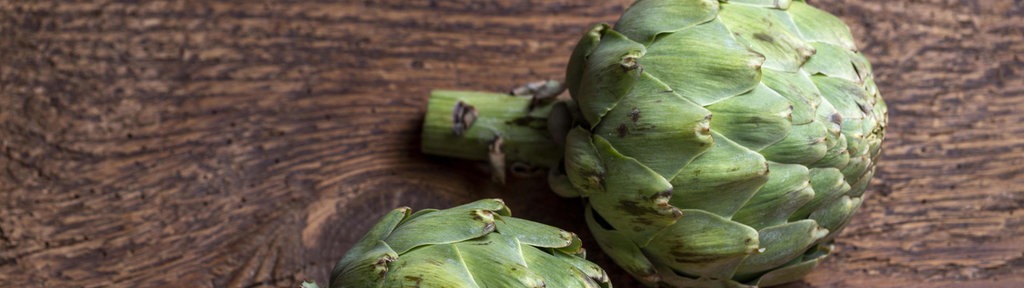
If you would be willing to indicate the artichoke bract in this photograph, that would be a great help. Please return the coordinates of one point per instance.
(474, 245)
(717, 143)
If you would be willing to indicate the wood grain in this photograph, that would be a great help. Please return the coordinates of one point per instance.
(237, 143)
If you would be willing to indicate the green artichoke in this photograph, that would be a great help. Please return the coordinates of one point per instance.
(717, 143)
(474, 245)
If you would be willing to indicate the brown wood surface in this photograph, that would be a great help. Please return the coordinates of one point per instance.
(240, 143)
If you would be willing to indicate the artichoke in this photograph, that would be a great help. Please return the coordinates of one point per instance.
(717, 143)
(474, 245)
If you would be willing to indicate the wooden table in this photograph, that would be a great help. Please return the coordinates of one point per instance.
(245, 143)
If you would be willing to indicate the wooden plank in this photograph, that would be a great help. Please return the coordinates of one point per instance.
(250, 143)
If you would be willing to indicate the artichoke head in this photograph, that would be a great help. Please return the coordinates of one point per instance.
(720, 143)
(474, 245)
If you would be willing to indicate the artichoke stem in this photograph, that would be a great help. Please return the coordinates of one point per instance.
(463, 124)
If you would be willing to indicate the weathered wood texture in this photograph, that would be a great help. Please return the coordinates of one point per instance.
(250, 143)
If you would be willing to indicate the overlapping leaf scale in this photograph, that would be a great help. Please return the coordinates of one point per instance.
(828, 184)
(703, 244)
(534, 233)
(820, 26)
(611, 72)
(833, 61)
(704, 63)
(794, 270)
(445, 226)
(371, 240)
(721, 180)
(371, 261)
(798, 89)
(856, 169)
(859, 185)
(637, 127)
(583, 166)
(878, 133)
(781, 243)
(594, 274)
(836, 214)
(496, 260)
(618, 244)
(852, 103)
(578, 61)
(788, 188)
(646, 19)
(755, 119)
(765, 31)
(808, 138)
(423, 268)
(837, 154)
(638, 198)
